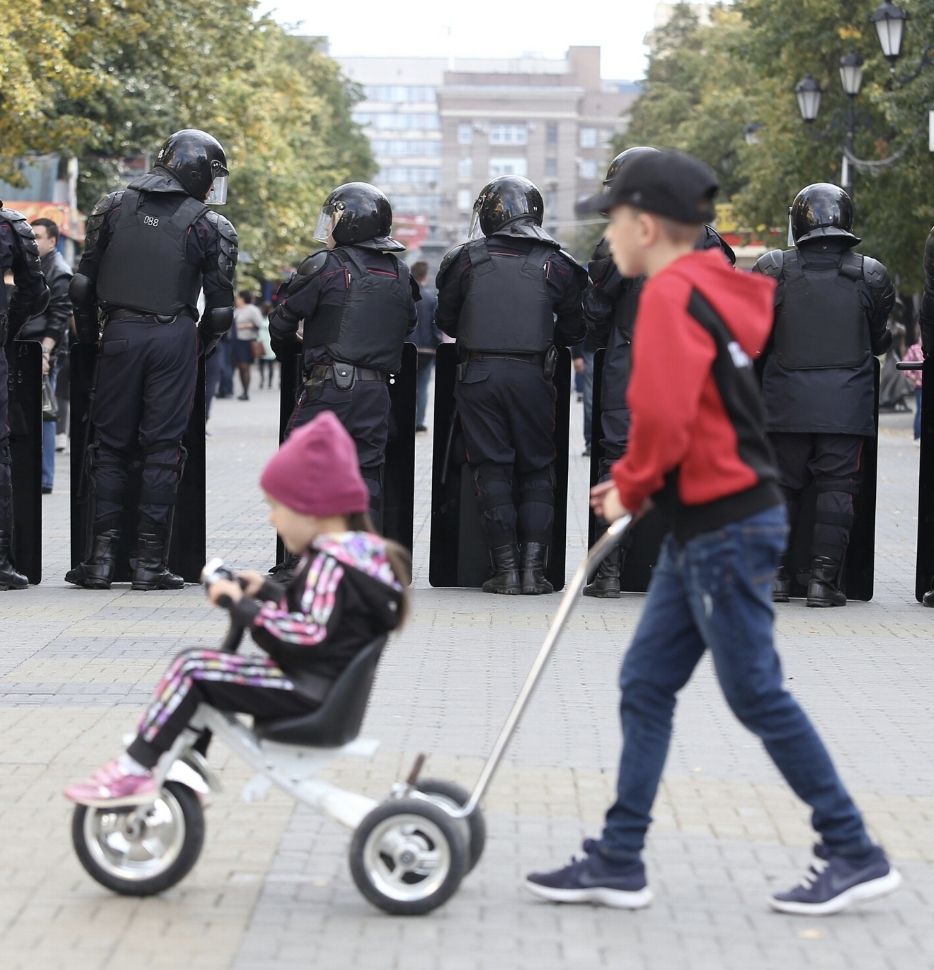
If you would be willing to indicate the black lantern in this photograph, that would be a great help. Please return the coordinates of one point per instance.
(890, 25)
(808, 92)
(851, 73)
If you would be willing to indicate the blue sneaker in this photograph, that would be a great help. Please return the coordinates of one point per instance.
(593, 879)
(834, 882)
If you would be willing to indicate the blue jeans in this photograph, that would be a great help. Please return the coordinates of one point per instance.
(48, 437)
(917, 413)
(715, 593)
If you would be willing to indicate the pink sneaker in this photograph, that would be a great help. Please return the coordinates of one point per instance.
(112, 787)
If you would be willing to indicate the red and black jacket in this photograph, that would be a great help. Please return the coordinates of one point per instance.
(697, 443)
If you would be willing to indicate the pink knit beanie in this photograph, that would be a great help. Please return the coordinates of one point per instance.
(316, 472)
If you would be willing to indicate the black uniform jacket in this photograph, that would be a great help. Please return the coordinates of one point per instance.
(839, 400)
(563, 284)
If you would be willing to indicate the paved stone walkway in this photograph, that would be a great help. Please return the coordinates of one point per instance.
(272, 889)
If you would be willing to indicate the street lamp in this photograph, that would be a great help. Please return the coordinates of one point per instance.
(890, 25)
(808, 92)
(851, 73)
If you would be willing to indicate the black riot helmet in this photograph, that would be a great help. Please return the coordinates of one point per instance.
(502, 201)
(353, 213)
(711, 239)
(822, 209)
(199, 162)
(617, 162)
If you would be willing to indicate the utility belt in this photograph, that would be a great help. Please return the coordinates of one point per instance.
(548, 360)
(162, 318)
(342, 376)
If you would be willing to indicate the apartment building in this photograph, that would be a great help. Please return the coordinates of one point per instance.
(441, 129)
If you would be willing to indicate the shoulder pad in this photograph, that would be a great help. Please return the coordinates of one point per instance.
(874, 273)
(771, 264)
(223, 225)
(580, 272)
(11, 216)
(107, 203)
(228, 248)
(446, 263)
(313, 264)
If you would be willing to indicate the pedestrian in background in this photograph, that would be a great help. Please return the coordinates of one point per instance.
(698, 450)
(916, 354)
(51, 329)
(247, 323)
(426, 337)
(268, 360)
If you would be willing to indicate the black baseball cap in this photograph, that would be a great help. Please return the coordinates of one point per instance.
(669, 184)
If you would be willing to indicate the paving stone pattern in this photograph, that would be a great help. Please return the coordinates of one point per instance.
(272, 889)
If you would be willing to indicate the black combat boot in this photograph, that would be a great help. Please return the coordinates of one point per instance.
(822, 586)
(151, 571)
(781, 586)
(505, 578)
(928, 598)
(533, 569)
(9, 577)
(605, 584)
(97, 571)
(283, 571)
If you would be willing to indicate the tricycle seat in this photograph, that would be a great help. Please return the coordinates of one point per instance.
(337, 721)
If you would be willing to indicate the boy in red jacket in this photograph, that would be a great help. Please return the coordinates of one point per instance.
(698, 451)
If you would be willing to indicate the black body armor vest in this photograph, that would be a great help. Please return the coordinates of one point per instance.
(369, 330)
(145, 267)
(507, 309)
(820, 323)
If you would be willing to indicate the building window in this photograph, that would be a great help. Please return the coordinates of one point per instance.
(419, 205)
(402, 148)
(587, 168)
(399, 93)
(464, 133)
(508, 166)
(409, 175)
(509, 134)
(588, 137)
(464, 200)
(403, 122)
(464, 167)
(551, 133)
(551, 166)
(551, 200)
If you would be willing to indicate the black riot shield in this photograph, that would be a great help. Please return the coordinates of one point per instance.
(25, 416)
(859, 565)
(399, 470)
(459, 555)
(399, 473)
(645, 538)
(290, 387)
(924, 562)
(189, 535)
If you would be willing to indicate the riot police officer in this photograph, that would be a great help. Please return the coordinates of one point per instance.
(19, 253)
(150, 250)
(610, 306)
(357, 301)
(499, 295)
(831, 307)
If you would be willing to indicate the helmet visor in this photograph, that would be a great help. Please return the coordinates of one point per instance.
(474, 232)
(218, 193)
(328, 218)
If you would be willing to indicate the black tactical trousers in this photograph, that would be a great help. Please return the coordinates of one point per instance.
(832, 462)
(6, 477)
(507, 410)
(364, 411)
(145, 392)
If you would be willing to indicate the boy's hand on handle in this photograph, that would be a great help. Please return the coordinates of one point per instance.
(251, 581)
(604, 500)
(225, 588)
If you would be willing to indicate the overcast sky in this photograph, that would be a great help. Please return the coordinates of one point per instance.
(479, 28)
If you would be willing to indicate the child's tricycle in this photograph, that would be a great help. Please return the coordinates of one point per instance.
(408, 853)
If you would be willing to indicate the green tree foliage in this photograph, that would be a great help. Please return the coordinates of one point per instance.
(108, 80)
(706, 83)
